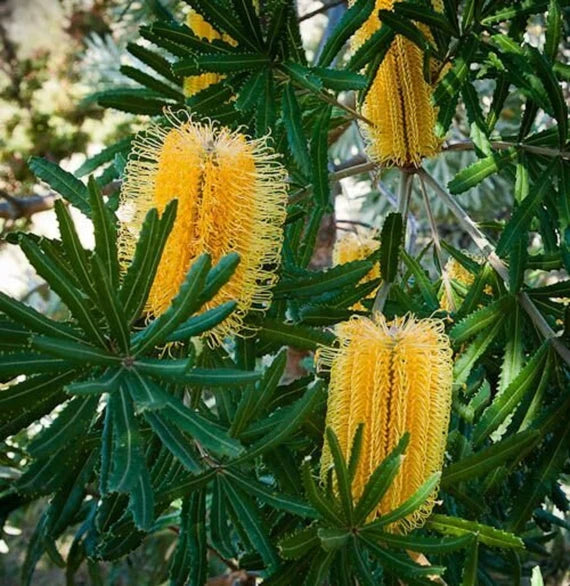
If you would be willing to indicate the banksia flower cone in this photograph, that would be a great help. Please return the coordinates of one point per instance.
(399, 101)
(231, 195)
(393, 377)
(350, 247)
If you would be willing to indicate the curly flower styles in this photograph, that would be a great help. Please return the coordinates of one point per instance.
(399, 102)
(232, 197)
(393, 377)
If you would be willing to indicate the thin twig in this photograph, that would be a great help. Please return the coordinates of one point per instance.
(320, 10)
(489, 252)
(437, 246)
(501, 145)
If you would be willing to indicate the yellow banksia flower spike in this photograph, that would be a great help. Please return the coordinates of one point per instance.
(350, 247)
(196, 83)
(232, 197)
(394, 377)
(455, 271)
(399, 102)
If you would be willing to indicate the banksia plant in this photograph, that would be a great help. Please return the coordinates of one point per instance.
(231, 198)
(174, 386)
(394, 377)
(399, 101)
(358, 246)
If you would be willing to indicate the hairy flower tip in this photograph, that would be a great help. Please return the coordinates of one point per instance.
(399, 101)
(232, 197)
(358, 246)
(196, 83)
(394, 377)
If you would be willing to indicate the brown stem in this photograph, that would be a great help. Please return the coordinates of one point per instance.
(489, 252)
(437, 246)
(467, 145)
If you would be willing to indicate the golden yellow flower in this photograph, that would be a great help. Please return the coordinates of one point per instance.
(393, 377)
(196, 83)
(232, 197)
(399, 102)
(455, 271)
(350, 247)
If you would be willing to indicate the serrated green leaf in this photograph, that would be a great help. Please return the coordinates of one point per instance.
(219, 275)
(480, 319)
(183, 305)
(350, 22)
(423, 282)
(152, 83)
(217, 63)
(522, 216)
(127, 461)
(476, 172)
(74, 251)
(211, 435)
(133, 101)
(184, 37)
(506, 401)
(265, 112)
(319, 158)
(466, 361)
(419, 13)
(399, 565)
(340, 79)
(141, 501)
(189, 564)
(140, 273)
(374, 49)
(539, 482)
(104, 156)
(66, 184)
(484, 533)
(223, 18)
(110, 306)
(203, 322)
(333, 539)
(323, 505)
(427, 545)
(293, 335)
(174, 441)
(251, 522)
(410, 504)
(74, 419)
(391, 239)
(281, 501)
(25, 363)
(380, 481)
(295, 546)
(105, 232)
(302, 76)
(153, 60)
(312, 284)
(34, 320)
(487, 459)
(342, 478)
(74, 351)
(292, 120)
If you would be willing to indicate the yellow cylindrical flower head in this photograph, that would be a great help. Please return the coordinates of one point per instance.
(350, 247)
(399, 101)
(232, 197)
(394, 377)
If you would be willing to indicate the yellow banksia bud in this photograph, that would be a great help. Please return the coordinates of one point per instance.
(232, 196)
(455, 271)
(399, 102)
(394, 377)
(196, 83)
(350, 247)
